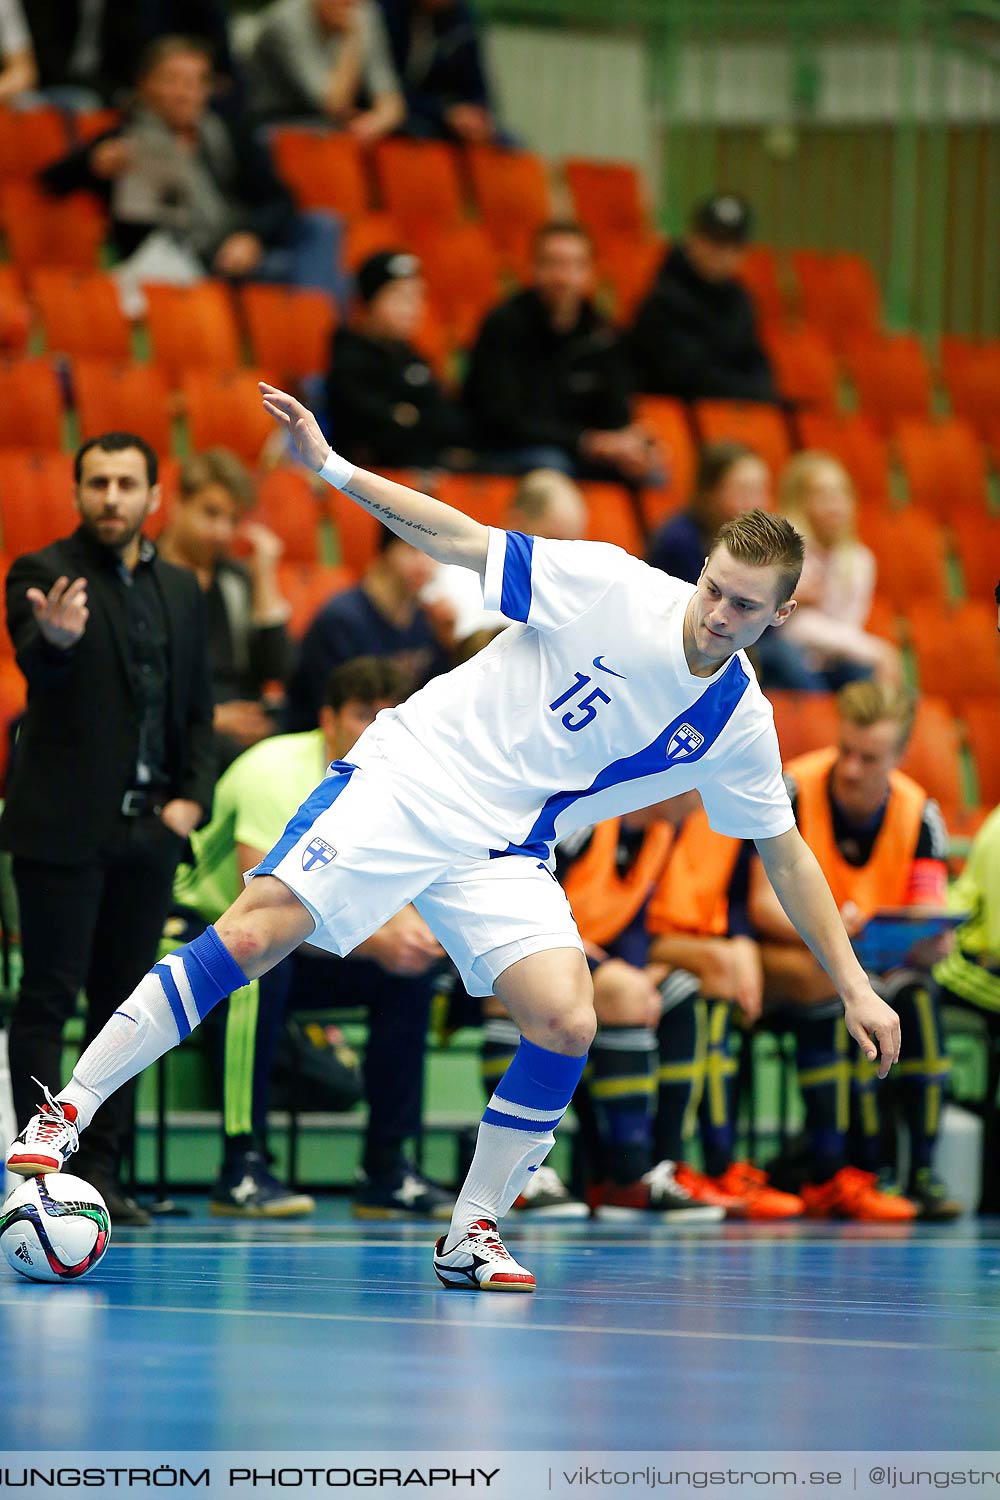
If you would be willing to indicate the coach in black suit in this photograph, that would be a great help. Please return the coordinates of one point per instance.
(113, 769)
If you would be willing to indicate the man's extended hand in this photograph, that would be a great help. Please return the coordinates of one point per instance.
(62, 614)
(301, 423)
(875, 1027)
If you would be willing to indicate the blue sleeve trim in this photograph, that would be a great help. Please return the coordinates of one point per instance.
(515, 595)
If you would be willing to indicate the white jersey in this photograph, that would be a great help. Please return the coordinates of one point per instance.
(584, 710)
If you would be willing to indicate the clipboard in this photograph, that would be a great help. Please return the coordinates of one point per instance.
(890, 935)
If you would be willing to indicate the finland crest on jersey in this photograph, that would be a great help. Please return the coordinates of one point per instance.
(316, 854)
(686, 741)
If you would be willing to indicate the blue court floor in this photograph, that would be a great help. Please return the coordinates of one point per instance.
(205, 1334)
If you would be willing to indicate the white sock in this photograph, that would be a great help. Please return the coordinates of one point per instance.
(533, 1096)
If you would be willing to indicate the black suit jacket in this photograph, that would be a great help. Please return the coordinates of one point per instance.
(76, 754)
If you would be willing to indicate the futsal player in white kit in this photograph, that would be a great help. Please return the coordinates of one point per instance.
(615, 687)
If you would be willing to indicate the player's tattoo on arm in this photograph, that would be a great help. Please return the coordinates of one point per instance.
(387, 514)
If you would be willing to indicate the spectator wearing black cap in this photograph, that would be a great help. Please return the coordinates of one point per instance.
(387, 409)
(548, 384)
(695, 334)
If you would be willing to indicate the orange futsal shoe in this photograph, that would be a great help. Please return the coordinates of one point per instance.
(760, 1199)
(853, 1194)
(705, 1189)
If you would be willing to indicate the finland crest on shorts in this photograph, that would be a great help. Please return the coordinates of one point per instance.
(685, 742)
(316, 854)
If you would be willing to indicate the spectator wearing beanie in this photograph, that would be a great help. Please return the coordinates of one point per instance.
(386, 407)
(695, 334)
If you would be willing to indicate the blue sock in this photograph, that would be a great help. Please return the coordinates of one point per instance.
(165, 1007)
(196, 977)
(516, 1134)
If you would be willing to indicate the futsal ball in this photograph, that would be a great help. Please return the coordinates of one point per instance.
(54, 1228)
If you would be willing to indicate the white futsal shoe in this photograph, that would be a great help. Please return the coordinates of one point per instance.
(47, 1141)
(481, 1261)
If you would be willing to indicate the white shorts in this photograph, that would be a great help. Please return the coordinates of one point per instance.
(366, 843)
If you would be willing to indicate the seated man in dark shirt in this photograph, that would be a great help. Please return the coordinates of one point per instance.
(438, 56)
(248, 644)
(695, 334)
(387, 407)
(382, 616)
(548, 386)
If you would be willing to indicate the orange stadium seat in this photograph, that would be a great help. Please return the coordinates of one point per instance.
(612, 516)
(608, 197)
(224, 409)
(321, 170)
(761, 274)
(15, 313)
(892, 378)
(122, 396)
(31, 406)
(977, 542)
(803, 721)
(290, 329)
(366, 235)
(804, 365)
(192, 326)
(883, 620)
(13, 698)
(762, 428)
(512, 191)
(981, 716)
(36, 499)
(463, 277)
(90, 123)
(485, 497)
(972, 380)
(629, 268)
(862, 450)
(287, 504)
(668, 421)
(307, 588)
(420, 185)
(357, 532)
(838, 293)
(30, 139)
(933, 757)
(956, 650)
(910, 553)
(81, 313)
(46, 231)
(945, 466)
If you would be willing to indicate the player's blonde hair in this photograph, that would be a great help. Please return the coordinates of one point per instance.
(762, 541)
(866, 703)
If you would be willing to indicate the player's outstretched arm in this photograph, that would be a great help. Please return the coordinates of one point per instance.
(801, 888)
(437, 529)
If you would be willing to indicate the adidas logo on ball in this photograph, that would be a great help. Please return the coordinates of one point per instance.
(22, 1254)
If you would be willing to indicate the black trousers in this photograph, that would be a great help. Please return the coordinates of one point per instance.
(94, 927)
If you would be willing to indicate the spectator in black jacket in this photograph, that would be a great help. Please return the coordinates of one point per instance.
(548, 384)
(246, 612)
(176, 166)
(438, 56)
(386, 407)
(114, 769)
(695, 334)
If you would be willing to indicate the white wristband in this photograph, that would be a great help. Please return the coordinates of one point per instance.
(336, 471)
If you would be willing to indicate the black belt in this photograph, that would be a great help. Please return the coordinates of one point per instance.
(144, 802)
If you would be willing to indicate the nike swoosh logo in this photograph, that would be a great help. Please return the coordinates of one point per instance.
(602, 668)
